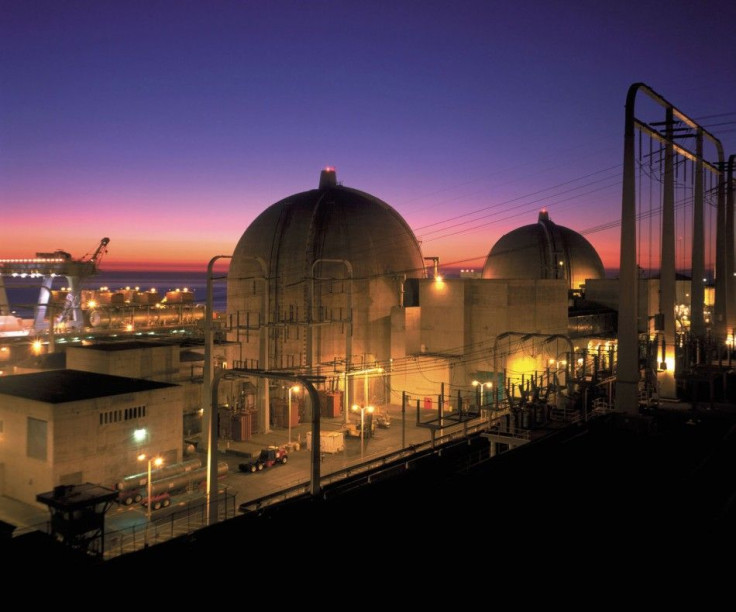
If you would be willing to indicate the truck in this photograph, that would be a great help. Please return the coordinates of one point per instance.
(133, 487)
(273, 455)
(163, 489)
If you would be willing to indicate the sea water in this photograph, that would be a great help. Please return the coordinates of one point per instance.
(23, 293)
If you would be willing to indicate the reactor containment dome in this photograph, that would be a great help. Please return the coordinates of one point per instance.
(544, 250)
(298, 235)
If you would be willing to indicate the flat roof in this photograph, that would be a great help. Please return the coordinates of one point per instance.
(127, 345)
(60, 386)
(70, 497)
(45, 361)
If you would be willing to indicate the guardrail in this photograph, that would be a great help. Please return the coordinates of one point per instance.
(191, 518)
(363, 472)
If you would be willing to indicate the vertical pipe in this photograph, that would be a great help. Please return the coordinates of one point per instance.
(349, 332)
(209, 412)
(667, 263)
(697, 292)
(729, 275)
(403, 419)
(627, 377)
(209, 397)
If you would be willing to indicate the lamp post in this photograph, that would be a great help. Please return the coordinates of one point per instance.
(157, 461)
(295, 389)
(355, 373)
(479, 389)
(362, 409)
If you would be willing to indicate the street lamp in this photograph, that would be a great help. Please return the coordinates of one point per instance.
(157, 461)
(363, 410)
(479, 389)
(295, 389)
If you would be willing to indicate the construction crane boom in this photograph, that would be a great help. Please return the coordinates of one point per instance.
(101, 250)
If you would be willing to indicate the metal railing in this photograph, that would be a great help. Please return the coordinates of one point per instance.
(190, 518)
(372, 467)
(193, 515)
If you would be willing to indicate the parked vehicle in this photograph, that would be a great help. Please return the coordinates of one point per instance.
(273, 455)
(162, 490)
(133, 487)
(383, 420)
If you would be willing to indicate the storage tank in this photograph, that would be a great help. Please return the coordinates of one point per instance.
(140, 479)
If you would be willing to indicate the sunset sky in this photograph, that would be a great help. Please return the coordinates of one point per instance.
(168, 126)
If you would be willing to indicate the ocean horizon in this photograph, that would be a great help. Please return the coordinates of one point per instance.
(23, 293)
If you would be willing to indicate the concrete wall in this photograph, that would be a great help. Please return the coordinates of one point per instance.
(369, 300)
(82, 444)
(445, 341)
(458, 324)
(25, 476)
(606, 292)
(443, 315)
(460, 313)
(163, 361)
(150, 363)
(421, 377)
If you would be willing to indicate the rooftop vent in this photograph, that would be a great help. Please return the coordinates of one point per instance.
(327, 178)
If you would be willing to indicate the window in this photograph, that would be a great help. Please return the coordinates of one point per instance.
(114, 416)
(36, 446)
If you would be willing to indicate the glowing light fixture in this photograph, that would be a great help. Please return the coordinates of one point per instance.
(363, 410)
(157, 461)
(479, 386)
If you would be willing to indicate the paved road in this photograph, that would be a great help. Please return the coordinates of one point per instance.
(355, 452)
(128, 528)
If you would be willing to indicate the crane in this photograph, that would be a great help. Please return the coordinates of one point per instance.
(48, 266)
(99, 252)
(76, 273)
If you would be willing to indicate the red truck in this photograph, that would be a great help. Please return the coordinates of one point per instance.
(273, 455)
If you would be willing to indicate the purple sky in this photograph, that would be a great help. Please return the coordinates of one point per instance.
(168, 126)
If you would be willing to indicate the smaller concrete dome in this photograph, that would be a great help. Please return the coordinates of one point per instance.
(544, 250)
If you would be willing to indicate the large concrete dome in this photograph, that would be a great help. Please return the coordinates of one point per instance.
(318, 275)
(544, 250)
(331, 222)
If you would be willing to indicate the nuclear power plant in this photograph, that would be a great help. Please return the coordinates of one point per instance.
(330, 287)
(332, 283)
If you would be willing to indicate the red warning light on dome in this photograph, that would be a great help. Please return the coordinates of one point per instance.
(328, 178)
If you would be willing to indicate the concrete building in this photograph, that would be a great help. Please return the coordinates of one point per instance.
(332, 282)
(329, 282)
(312, 283)
(72, 427)
(168, 362)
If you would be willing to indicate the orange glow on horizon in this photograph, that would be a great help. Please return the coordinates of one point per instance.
(160, 266)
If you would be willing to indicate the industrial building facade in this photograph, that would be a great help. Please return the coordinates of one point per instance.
(331, 282)
(71, 427)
